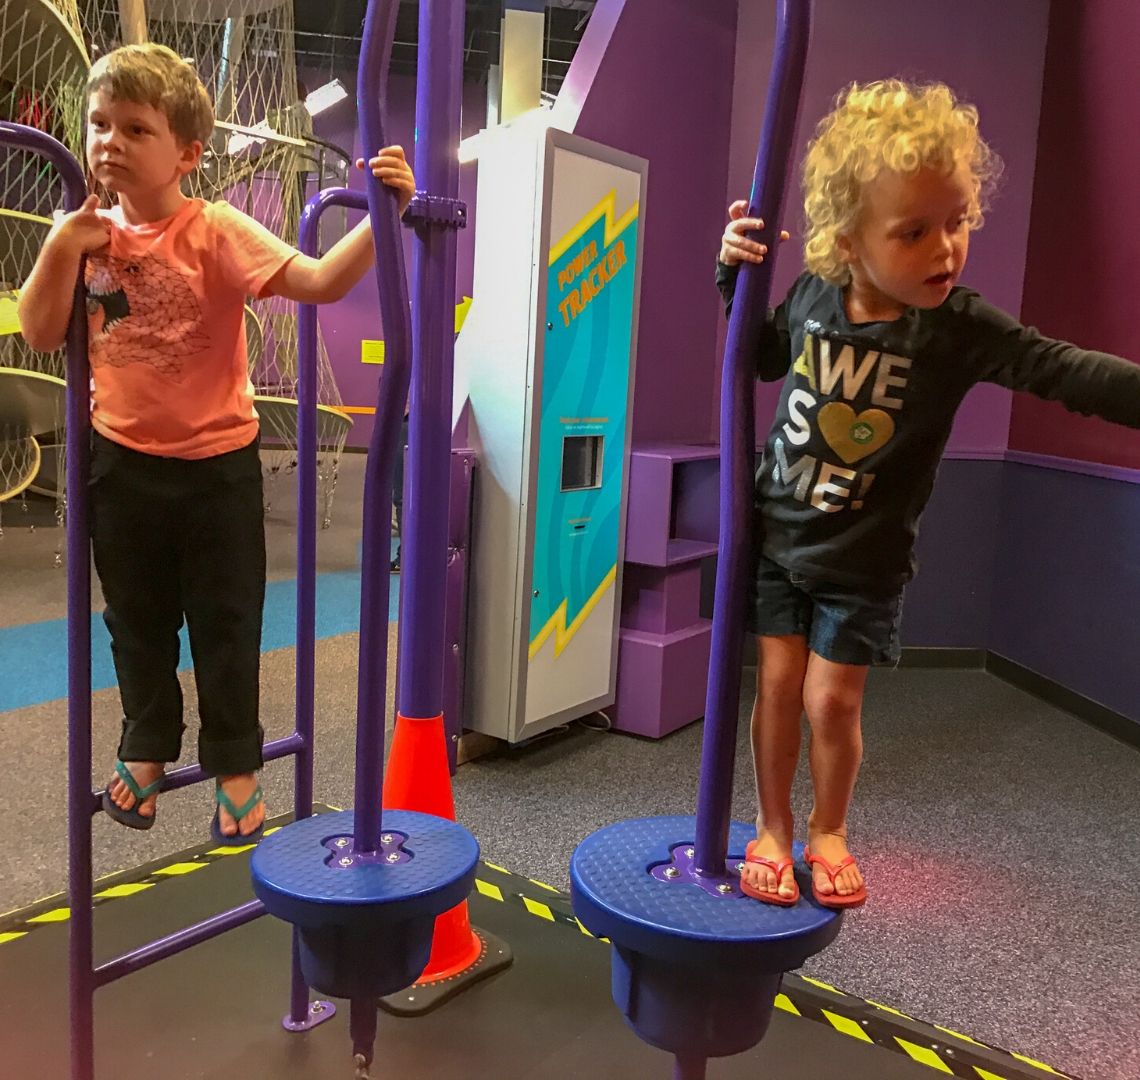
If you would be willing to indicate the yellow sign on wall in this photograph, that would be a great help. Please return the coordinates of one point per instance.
(372, 352)
(9, 324)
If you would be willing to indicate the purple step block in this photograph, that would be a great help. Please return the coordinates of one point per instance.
(658, 600)
(661, 680)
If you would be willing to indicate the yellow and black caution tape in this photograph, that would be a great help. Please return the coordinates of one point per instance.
(941, 1049)
(54, 909)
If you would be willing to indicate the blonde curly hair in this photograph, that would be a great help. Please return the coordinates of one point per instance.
(889, 124)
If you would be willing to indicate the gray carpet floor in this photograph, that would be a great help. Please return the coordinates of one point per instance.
(998, 835)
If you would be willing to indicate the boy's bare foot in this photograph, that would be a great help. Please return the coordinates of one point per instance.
(832, 846)
(240, 789)
(770, 844)
(144, 773)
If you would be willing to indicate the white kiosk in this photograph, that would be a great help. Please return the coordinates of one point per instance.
(545, 362)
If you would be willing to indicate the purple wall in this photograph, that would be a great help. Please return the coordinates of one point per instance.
(357, 317)
(991, 53)
(654, 78)
(1067, 582)
(948, 605)
(1083, 288)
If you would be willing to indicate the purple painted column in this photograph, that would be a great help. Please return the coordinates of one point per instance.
(372, 75)
(455, 615)
(424, 544)
(737, 449)
(80, 803)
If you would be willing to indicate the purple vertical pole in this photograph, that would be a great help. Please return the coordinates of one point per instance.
(455, 605)
(80, 802)
(424, 544)
(372, 681)
(738, 438)
(689, 1068)
(309, 243)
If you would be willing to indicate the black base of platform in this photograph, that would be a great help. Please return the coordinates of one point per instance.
(494, 956)
(215, 1011)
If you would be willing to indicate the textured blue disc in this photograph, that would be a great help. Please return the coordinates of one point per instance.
(298, 876)
(615, 896)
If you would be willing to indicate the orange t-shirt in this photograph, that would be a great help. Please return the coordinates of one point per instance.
(165, 304)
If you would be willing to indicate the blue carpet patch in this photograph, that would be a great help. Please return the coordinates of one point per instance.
(34, 665)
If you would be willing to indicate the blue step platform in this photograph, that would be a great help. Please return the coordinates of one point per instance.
(696, 963)
(365, 921)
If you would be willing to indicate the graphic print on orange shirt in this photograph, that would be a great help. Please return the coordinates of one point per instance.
(150, 314)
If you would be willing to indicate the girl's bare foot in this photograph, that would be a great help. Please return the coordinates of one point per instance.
(775, 845)
(832, 846)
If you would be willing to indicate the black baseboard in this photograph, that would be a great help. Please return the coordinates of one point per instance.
(943, 658)
(1091, 712)
(1053, 693)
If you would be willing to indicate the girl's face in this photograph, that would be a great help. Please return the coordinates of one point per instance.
(911, 242)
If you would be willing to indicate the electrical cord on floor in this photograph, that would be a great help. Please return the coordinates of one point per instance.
(596, 721)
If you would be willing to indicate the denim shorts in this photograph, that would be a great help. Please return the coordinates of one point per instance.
(840, 622)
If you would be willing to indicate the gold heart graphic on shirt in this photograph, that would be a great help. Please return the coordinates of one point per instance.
(854, 437)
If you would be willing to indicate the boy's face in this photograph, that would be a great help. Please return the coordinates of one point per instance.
(912, 238)
(131, 149)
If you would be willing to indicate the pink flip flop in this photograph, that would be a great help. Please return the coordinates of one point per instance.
(834, 900)
(777, 867)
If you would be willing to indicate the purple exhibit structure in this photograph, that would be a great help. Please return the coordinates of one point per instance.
(84, 977)
(363, 888)
(696, 963)
(343, 879)
(664, 642)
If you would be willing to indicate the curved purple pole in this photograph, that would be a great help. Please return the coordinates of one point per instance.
(81, 804)
(372, 680)
(738, 438)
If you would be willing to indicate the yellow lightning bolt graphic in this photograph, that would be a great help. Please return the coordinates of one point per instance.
(613, 229)
(556, 624)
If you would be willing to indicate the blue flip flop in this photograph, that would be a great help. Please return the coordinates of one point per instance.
(131, 818)
(237, 813)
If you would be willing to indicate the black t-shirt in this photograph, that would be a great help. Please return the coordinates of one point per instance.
(866, 409)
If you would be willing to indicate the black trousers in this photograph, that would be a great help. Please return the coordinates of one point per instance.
(174, 540)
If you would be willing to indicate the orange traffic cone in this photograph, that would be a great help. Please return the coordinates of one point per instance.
(418, 778)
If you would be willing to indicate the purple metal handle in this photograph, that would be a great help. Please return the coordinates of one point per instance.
(424, 544)
(309, 243)
(80, 805)
(738, 438)
(372, 680)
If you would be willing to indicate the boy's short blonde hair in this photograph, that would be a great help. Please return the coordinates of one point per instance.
(894, 125)
(157, 76)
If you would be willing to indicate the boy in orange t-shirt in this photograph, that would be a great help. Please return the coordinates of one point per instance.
(176, 499)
